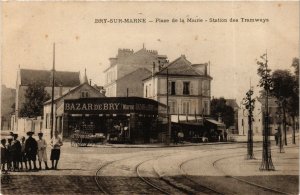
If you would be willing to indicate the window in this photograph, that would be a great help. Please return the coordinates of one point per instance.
(146, 93)
(173, 107)
(186, 107)
(47, 121)
(172, 88)
(186, 88)
(84, 94)
(205, 88)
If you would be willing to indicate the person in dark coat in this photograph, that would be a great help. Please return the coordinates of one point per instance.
(31, 150)
(16, 152)
(23, 154)
(9, 154)
(3, 154)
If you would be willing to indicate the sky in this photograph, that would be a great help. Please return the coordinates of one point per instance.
(29, 30)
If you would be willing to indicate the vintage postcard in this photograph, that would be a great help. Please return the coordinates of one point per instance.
(149, 97)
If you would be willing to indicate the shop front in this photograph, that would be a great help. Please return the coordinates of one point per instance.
(119, 119)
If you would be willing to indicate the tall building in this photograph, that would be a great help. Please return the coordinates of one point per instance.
(188, 87)
(124, 64)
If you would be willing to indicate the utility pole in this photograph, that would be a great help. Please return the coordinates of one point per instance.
(168, 112)
(52, 97)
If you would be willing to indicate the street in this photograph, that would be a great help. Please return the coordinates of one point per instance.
(219, 168)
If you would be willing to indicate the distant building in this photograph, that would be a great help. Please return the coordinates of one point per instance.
(8, 96)
(233, 104)
(122, 67)
(189, 87)
(258, 116)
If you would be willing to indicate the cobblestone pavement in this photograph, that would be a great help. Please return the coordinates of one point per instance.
(163, 166)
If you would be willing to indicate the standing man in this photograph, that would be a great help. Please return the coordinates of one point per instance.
(56, 143)
(23, 153)
(16, 152)
(42, 154)
(9, 154)
(31, 150)
(3, 154)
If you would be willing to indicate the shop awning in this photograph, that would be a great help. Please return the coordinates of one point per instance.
(215, 122)
(187, 119)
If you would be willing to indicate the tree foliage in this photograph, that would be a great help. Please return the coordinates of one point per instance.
(283, 84)
(35, 96)
(265, 73)
(220, 108)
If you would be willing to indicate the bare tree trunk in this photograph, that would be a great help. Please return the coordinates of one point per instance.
(294, 130)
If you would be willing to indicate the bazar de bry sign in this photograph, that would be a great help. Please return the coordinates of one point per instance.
(110, 105)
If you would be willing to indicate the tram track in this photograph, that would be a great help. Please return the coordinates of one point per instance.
(146, 181)
(184, 173)
(243, 180)
(158, 181)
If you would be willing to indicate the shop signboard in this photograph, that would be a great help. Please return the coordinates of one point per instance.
(111, 105)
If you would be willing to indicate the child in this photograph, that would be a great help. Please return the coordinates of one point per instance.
(56, 143)
(3, 154)
(42, 155)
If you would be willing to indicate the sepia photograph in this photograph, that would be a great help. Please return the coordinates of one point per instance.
(149, 97)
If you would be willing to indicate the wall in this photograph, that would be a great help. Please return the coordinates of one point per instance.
(133, 82)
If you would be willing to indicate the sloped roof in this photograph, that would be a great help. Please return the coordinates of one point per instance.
(180, 67)
(62, 78)
(70, 91)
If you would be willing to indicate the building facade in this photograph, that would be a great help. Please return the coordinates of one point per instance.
(126, 62)
(188, 87)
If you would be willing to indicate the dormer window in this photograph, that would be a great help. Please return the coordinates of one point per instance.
(84, 94)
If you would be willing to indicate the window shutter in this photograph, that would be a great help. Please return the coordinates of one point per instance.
(169, 87)
(192, 88)
(179, 88)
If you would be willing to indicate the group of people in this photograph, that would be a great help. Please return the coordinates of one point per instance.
(15, 153)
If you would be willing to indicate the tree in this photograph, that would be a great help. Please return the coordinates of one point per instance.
(220, 108)
(266, 83)
(293, 101)
(35, 96)
(248, 102)
(283, 89)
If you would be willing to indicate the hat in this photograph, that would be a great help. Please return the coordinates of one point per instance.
(40, 134)
(30, 133)
(15, 135)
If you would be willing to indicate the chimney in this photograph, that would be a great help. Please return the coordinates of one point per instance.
(90, 82)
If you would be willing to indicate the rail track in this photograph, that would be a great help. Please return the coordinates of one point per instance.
(265, 188)
(145, 183)
(160, 185)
